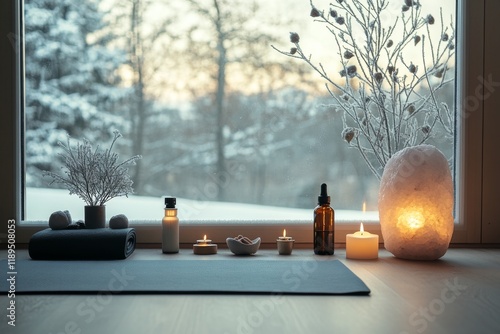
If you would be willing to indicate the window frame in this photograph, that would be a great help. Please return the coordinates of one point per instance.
(471, 160)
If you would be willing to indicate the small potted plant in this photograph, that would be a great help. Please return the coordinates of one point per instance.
(95, 176)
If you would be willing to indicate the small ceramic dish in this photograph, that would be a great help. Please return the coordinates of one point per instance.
(240, 248)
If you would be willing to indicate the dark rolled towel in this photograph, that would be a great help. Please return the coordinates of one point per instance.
(84, 244)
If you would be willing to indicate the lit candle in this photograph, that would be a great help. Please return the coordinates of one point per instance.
(204, 246)
(204, 241)
(284, 237)
(285, 244)
(362, 245)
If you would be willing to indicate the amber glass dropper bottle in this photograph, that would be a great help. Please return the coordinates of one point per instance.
(324, 224)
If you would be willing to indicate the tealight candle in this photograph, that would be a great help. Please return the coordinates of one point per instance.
(204, 246)
(204, 241)
(362, 245)
(284, 237)
(285, 244)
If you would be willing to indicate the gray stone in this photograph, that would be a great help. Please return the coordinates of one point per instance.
(59, 220)
(66, 212)
(118, 221)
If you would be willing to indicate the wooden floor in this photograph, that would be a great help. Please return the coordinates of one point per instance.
(458, 294)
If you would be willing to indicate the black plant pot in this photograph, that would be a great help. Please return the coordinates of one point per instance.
(95, 216)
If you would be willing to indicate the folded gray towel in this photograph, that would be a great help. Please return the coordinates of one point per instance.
(82, 244)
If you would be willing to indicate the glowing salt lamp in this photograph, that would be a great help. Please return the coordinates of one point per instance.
(416, 204)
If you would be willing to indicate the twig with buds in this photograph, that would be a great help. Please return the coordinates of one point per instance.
(387, 103)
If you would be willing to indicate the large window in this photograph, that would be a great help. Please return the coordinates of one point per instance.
(224, 122)
(265, 140)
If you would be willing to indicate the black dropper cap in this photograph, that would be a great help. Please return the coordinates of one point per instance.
(323, 198)
(169, 202)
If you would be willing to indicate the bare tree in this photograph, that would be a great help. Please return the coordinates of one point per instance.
(228, 41)
(145, 39)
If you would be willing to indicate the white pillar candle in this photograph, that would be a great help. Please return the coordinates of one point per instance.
(362, 245)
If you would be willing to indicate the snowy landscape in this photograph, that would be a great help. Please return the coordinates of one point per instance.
(223, 121)
(42, 202)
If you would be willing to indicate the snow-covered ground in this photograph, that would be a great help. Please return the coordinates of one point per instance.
(40, 203)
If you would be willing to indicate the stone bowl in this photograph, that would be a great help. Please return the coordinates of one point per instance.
(240, 248)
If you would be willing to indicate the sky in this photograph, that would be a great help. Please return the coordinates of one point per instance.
(316, 40)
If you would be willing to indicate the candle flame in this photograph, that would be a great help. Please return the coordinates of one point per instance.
(205, 237)
(284, 232)
(361, 228)
(363, 215)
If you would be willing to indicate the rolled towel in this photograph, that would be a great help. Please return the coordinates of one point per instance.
(85, 244)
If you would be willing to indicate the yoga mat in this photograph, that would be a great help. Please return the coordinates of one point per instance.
(84, 244)
(245, 276)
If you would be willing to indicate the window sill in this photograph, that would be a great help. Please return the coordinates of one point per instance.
(149, 231)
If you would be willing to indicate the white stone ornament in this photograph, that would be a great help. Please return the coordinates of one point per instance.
(416, 204)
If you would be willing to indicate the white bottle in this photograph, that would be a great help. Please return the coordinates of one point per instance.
(170, 227)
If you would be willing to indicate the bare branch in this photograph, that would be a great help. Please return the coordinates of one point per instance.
(390, 103)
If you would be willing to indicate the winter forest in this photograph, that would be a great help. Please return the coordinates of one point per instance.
(196, 89)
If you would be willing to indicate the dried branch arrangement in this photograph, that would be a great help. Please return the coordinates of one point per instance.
(391, 75)
(95, 176)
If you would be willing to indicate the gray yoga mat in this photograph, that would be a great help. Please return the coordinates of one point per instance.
(245, 276)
